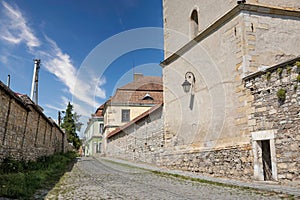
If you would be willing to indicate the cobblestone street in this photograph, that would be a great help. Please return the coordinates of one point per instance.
(93, 178)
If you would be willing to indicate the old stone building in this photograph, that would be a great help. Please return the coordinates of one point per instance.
(209, 47)
(140, 139)
(231, 98)
(273, 120)
(130, 101)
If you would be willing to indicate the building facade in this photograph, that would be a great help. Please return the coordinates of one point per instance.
(140, 139)
(94, 133)
(130, 101)
(210, 46)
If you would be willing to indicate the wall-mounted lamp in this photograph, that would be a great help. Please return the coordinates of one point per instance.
(188, 82)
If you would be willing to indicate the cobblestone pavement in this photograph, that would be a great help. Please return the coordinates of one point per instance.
(93, 178)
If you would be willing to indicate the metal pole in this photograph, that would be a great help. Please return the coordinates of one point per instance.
(35, 80)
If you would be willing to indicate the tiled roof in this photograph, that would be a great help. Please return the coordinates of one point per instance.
(134, 92)
(145, 83)
(99, 111)
(136, 97)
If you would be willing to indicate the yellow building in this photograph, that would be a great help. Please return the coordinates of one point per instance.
(130, 101)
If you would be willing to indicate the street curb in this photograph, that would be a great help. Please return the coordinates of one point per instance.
(269, 187)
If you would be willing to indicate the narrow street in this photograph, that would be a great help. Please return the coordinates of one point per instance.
(93, 178)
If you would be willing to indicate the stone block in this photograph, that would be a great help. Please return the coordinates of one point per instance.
(282, 165)
(252, 122)
(262, 109)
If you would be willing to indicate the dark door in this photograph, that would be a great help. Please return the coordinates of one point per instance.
(266, 158)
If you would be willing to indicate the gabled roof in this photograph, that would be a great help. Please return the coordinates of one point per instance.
(145, 83)
(99, 111)
(134, 92)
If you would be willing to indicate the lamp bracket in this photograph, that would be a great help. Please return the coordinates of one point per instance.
(190, 77)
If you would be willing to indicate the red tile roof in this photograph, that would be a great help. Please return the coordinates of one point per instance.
(99, 111)
(134, 92)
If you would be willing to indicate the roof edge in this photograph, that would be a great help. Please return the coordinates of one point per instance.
(224, 20)
(272, 68)
(138, 118)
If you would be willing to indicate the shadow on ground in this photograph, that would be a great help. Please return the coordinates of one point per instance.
(42, 192)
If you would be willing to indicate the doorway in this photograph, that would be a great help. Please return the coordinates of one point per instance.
(266, 160)
(264, 154)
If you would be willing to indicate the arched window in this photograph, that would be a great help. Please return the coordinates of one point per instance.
(194, 24)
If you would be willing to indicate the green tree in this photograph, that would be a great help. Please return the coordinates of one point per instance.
(70, 124)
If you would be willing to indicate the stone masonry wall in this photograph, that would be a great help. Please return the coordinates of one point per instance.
(144, 141)
(231, 162)
(25, 132)
(141, 141)
(283, 116)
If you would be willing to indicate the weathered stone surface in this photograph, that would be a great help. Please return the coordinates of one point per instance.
(282, 116)
(25, 132)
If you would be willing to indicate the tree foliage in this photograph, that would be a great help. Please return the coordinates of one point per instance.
(70, 124)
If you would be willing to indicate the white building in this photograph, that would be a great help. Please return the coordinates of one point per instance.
(94, 133)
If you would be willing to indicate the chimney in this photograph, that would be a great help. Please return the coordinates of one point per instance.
(137, 76)
(8, 81)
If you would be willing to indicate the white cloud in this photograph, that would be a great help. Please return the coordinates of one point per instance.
(85, 89)
(54, 107)
(60, 64)
(14, 28)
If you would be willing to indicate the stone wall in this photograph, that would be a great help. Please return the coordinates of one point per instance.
(25, 132)
(140, 141)
(279, 117)
(144, 141)
(232, 162)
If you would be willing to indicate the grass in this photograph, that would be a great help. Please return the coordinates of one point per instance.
(22, 179)
(187, 178)
(257, 191)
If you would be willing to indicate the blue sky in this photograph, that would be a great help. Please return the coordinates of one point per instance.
(87, 48)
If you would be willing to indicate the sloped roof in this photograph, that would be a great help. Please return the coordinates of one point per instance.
(134, 92)
(99, 111)
(145, 83)
(135, 120)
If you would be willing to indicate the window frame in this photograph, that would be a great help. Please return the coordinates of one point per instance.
(194, 23)
(125, 115)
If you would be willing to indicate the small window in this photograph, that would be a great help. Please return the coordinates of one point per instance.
(147, 97)
(101, 128)
(194, 24)
(125, 115)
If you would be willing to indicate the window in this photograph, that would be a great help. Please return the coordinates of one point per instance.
(101, 128)
(125, 115)
(194, 24)
(147, 97)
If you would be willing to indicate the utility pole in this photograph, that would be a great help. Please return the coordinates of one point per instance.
(35, 81)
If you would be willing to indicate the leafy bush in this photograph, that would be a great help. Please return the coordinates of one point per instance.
(279, 72)
(298, 66)
(281, 94)
(288, 69)
(268, 76)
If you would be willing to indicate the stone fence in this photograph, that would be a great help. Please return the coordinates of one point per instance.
(274, 121)
(25, 132)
